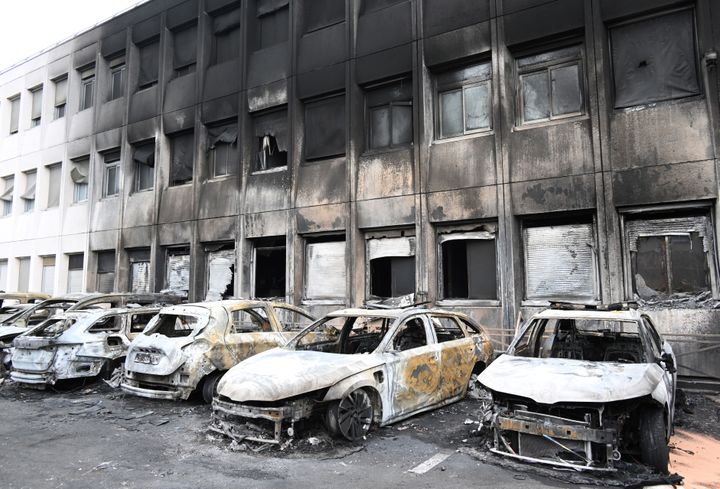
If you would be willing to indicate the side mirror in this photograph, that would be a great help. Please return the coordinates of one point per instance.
(669, 362)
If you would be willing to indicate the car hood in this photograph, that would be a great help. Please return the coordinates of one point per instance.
(7, 333)
(559, 380)
(279, 374)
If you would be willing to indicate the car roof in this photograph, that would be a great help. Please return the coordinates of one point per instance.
(390, 313)
(624, 315)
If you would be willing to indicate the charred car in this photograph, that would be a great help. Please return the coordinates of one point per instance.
(583, 388)
(77, 344)
(188, 348)
(13, 302)
(354, 368)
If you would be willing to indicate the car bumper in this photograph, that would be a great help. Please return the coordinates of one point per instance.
(33, 377)
(169, 393)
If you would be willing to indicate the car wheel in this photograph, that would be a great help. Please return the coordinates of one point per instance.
(209, 386)
(352, 416)
(654, 450)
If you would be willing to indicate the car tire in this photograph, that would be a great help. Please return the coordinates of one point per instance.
(352, 416)
(654, 450)
(209, 386)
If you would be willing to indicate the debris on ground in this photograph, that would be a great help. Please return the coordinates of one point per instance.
(115, 379)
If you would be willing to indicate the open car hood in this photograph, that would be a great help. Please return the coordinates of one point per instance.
(559, 380)
(279, 374)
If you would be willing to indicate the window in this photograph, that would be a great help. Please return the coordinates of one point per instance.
(391, 266)
(185, 50)
(269, 268)
(36, 114)
(3, 274)
(389, 115)
(79, 175)
(75, 273)
(14, 113)
(560, 262)
(54, 173)
(223, 149)
(23, 274)
(271, 133)
(139, 321)
(220, 260)
(550, 85)
(107, 324)
(48, 275)
(111, 177)
(322, 13)
(325, 128)
(149, 64)
(325, 270)
(272, 23)
(177, 270)
(181, 158)
(144, 163)
(446, 328)
(117, 77)
(7, 195)
(105, 281)
(670, 255)
(251, 320)
(29, 195)
(464, 100)
(60, 96)
(87, 92)
(226, 37)
(409, 335)
(469, 269)
(655, 59)
(139, 260)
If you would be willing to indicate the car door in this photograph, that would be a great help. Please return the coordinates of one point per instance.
(412, 360)
(661, 347)
(457, 354)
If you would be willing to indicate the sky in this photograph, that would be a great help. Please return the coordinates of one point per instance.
(30, 26)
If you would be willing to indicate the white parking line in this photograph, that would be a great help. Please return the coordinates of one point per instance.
(430, 463)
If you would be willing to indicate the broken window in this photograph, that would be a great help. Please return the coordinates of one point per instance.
(23, 274)
(111, 173)
(325, 269)
(272, 22)
(139, 321)
(184, 50)
(292, 320)
(177, 271)
(47, 282)
(181, 158)
(655, 59)
(220, 271)
(446, 328)
(223, 148)
(271, 133)
(464, 100)
(107, 324)
(550, 85)
(7, 195)
(87, 90)
(105, 271)
(389, 114)
(144, 163)
(117, 77)
(322, 13)
(60, 96)
(392, 266)
(226, 37)
(325, 128)
(36, 114)
(560, 262)
(670, 255)
(139, 260)
(270, 267)
(75, 273)
(469, 268)
(409, 335)
(149, 54)
(54, 179)
(29, 195)
(251, 320)
(14, 113)
(174, 325)
(79, 175)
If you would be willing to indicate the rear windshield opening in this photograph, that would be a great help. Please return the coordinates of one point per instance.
(53, 327)
(174, 325)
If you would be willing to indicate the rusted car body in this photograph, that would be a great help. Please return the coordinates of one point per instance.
(77, 344)
(189, 347)
(355, 367)
(584, 388)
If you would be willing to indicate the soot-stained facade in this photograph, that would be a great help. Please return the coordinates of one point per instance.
(485, 155)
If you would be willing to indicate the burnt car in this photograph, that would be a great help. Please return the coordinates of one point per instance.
(77, 344)
(582, 388)
(188, 348)
(354, 368)
(13, 302)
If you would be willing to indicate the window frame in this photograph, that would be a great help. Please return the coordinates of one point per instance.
(81, 191)
(49, 169)
(8, 186)
(14, 127)
(371, 107)
(118, 66)
(60, 108)
(368, 256)
(111, 163)
(440, 88)
(308, 244)
(137, 167)
(87, 82)
(312, 103)
(261, 118)
(36, 121)
(29, 202)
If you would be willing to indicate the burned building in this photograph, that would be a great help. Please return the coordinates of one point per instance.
(486, 155)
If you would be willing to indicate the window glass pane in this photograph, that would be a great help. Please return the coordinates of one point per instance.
(149, 64)
(451, 113)
(380, 127)
(87, 93)
(536, 96)
(325, 128)
(651, 267)
(566, 92)
(80, 192)
(401, 124)
(477, 107)
(688, 264)
(117, 82)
